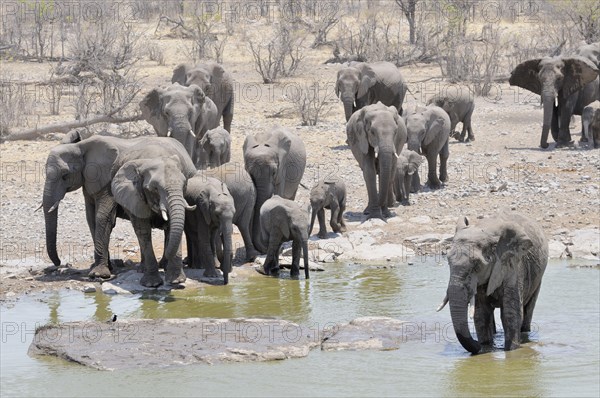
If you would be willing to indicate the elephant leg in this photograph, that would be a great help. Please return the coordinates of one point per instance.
(341, 221)
(227, 118)
(174, 272)
(296, 256)
(333, 222)
(271, 266)
(163, 263)
(444, 155)
(416, 183)
(512, 318)
(407, 179)
(554, 123)
(485, 325)
(90, 217)
(207, 257)
(322, 228)
(432, 178)
(106, 214)
(564, 134)
(244, 228)
(143, 231)
(370, 177)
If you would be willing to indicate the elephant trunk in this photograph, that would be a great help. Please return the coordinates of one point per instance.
(176, 206)
(548, 96)
(387, 167)
(50, 204)
(414, 143)
(312, 219)
(458, 299)
(226, 232)
(264, 191)
(348, 107)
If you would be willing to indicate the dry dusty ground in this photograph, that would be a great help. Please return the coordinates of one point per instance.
(503, 168)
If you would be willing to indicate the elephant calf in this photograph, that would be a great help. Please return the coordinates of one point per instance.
(428, 129)
(590, 120)
(408, 164)
(214, 148)
(500, 262)
(282, 220)
(211, 220)
(459, 108)
(329, 193)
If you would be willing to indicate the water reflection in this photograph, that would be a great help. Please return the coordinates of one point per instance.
(499, 373)
(379, 290)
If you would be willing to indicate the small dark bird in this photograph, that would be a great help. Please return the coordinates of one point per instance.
(114, 318)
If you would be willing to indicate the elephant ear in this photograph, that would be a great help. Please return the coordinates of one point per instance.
(367, 80)
(283, 142)
(204, 205)
(525, 75)
(180, 74)
(127, 189)
(151, 107)
(414, 162)
(512, 244)
(462, 223)
(217, 72)
(357, 135)
(401, 135)
(337, 84)
(577, 73)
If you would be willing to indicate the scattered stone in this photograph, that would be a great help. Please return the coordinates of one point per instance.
(109, 288)
(89, 288)
(160, 343)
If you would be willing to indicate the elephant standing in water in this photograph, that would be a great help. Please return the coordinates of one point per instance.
(211, 221)
(275, 160)
(85, 164)
(360, 84)
(215, 82)
(282, 220)
(149, 182)
(500, 262)
(376, 135)
(566, 85)
(184, 113)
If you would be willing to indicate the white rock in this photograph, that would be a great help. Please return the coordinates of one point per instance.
(109, 288)
(420, 220)
(89, 288)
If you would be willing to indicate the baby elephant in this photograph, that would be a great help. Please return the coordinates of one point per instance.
(282, 220)
(329, 193)
(214, 148)
(408, 164)
(459, 106)
(590, 121)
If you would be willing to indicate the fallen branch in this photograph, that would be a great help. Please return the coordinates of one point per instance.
(67, 126)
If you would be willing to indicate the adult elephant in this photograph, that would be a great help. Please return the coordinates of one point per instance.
(566, 85)
(85, 164)
(211, 221)
(500, 262)
(243, 191)
(428, 131)
(459, 107)
(282, 220)
(360, 84)
(275, 160)
(216, 82)
(149, 181)
(376, 135)
(184, 113)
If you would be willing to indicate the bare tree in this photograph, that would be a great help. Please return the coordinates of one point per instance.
(313, 101)
(409, 8)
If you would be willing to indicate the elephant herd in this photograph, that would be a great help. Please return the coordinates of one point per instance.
(184, 181)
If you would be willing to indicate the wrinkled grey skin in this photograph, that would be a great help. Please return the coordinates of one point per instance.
(149, 181)
(275, 160)
(329, 193)
(376, 135)
(570, 81)
(359, 84)
(83, 164)
(211, 221)
(408, 164)
(214, 81)
(282, 220)
(214, 149)
(590, 120)
(500, 262)
(184, 113)
(428, 130)
(242, 190)
(459, 107)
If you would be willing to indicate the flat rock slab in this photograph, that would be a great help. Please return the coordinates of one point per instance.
(146, 343)
(371, 333)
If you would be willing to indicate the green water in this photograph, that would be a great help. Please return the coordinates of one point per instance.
(562, 359)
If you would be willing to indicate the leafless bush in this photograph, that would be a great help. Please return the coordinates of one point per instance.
(15, 104)
(281, 56)
(155, 53)
(312, 102)
(582, 16)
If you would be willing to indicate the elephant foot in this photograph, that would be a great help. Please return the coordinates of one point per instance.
(322, 234)
(185, 260)
(386, 213)
(563, 144)
(251, 255)
(211, 273)
(544, 145)
(163, 263)
(470, 138)
(405, 202)
(342, 229)
(99, 271)
(583, 139)
(175, 277)
(366, 211)
(444, 178)
(375, 213)
(151, 279)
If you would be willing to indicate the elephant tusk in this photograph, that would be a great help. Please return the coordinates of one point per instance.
(192, 133)
(40, 206)
(443, 304)
(397, 156)
(164, 215)
(54, 207)
(190, 208)
(169, 133)
(472, 308)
